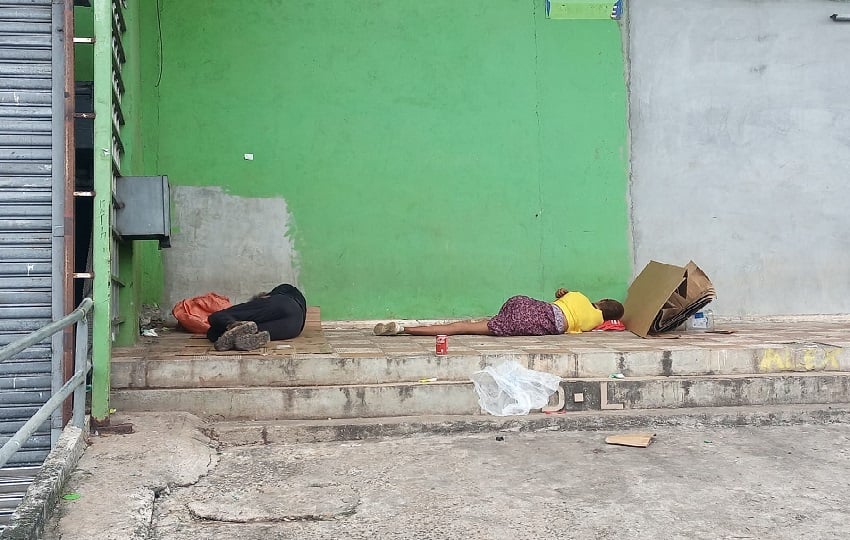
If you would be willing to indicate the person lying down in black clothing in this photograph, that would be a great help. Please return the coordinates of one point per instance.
(278, 314)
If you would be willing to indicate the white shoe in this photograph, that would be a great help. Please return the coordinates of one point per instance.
(388, 329)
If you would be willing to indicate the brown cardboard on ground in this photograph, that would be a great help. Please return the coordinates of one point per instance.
(663, 296)
(640, 440)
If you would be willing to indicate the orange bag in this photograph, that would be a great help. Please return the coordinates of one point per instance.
(192, 313)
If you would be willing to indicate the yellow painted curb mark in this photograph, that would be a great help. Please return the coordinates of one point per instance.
(805, 358)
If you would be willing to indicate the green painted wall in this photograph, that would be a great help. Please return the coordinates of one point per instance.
(148, 257)
(83, 53)
(140, 159)
(131, 135)
(140, 265)
(437, 156)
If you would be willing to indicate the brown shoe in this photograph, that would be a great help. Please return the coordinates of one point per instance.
(250, 342)
(240, 328)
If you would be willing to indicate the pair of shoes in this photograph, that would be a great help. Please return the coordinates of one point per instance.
(234, 331)
(249, 342)
(388, 329)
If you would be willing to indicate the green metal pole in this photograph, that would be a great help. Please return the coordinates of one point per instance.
(102, 227)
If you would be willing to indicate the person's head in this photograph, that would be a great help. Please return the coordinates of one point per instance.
(612, 310)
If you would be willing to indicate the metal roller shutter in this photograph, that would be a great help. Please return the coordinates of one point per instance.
(26, 214)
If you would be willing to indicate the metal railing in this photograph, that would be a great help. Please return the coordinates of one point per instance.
(75, 385)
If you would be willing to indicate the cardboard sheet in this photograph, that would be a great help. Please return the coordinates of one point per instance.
(663, 296)
(641, 440)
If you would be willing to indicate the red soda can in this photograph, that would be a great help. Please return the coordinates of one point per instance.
(442, 345)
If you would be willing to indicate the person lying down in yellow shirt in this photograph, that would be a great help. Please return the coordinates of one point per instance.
(571, 313)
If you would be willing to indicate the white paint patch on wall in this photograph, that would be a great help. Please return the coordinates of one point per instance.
(235, 246)
(740, 126)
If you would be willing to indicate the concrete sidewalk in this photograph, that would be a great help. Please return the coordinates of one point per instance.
(354, 339)
(167, 481)
(347, 474)
(358, 357)
(366, 376)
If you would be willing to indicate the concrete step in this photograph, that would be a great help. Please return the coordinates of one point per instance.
(459, 398)
(669, 359)
(237, 433)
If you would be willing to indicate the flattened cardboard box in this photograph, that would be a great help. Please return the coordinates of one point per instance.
(663, 296)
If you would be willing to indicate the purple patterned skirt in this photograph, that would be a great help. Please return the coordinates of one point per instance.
(523, 316)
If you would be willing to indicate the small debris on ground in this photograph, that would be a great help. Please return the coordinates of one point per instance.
(641, 440)
(150, 332)
(429, 379)
(124, 428)
(617, 376)
(500, 438)
(151, 317)
(71, 496)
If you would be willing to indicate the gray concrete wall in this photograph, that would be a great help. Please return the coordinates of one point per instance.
(234, 257)
(740, 126)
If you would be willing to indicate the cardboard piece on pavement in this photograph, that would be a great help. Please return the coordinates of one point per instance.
(663, 296)
(640, 440)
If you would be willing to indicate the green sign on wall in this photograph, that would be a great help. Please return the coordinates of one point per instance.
(579, 9)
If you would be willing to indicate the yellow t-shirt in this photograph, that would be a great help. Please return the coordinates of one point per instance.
(579, 313)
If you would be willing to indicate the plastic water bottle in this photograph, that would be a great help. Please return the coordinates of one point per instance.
(702, 321)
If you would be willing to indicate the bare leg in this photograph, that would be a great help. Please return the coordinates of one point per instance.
(478, 328)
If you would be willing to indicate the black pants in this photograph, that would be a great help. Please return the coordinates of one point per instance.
(279, 314)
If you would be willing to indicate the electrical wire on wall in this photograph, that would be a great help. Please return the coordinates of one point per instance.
(159, 29)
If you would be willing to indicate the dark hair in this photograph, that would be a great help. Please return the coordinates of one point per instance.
(612, 310)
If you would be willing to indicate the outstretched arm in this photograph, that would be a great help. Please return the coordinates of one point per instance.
(560, 292)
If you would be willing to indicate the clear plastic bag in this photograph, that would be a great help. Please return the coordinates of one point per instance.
(510, 389)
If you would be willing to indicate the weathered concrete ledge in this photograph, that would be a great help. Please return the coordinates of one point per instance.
(663, 359)
(292, 431)
(41, 499)
(459, 398)
(361, 401)
(706, 391)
